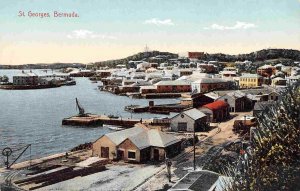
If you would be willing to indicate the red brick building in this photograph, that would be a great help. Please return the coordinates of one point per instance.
(195, 55)
(266, 70)
(209, 84)
(175, 86)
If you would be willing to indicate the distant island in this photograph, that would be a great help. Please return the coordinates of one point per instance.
(285, 55)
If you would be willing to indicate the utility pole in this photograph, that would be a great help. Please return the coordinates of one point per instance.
(194, 143)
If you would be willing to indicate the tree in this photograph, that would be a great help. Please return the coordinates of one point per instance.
(274, 163)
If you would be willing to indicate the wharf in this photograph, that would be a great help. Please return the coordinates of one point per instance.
(160, 109)
(99, 120)
(27, 87)
(161, 95)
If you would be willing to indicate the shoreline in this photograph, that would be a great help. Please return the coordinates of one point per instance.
(26, 87)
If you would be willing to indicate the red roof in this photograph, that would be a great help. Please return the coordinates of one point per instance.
(217, 105)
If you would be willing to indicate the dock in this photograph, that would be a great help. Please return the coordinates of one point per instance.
(99, 120)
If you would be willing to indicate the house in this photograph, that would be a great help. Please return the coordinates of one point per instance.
(262, 94)
(137, 145)
(202, 180)
(250, 80)
(278, 81)
(229, 72)
(207, 68)
(236, 100)
(217, 111)
(185, 72)
(209, 84)
(189, 120)
(266, 71)
(173, 86)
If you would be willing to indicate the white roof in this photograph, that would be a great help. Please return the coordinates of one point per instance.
(193, 113)
(210, 80)
(119, 136)
(143, 138)
(212, 95)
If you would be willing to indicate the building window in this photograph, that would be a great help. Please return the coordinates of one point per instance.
(131, 154)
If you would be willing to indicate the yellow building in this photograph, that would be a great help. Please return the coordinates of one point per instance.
(250, 80)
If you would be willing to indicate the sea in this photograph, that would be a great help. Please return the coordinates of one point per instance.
(34, 116)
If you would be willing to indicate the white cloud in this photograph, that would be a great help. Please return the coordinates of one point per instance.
(85, 34)
(238, 25)
(158, 22)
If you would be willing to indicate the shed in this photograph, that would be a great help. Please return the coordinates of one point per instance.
(189, 120)
(105, 146)
(216, 111)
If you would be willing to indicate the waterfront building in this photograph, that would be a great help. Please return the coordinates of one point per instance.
(173, 86)
(26, 78)
(209, 84)
(136, 145)
(248, 80)
(189, 120)
(103, 73)
(217, 111)
(147, 89)
(82, 73)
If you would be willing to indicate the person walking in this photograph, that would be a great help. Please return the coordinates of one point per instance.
(169, 164)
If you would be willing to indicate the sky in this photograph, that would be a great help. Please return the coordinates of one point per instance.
(111, 29)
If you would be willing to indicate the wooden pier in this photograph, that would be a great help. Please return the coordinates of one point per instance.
(99, 120)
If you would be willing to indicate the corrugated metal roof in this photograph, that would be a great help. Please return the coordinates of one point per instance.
(173, 83)
(119, 136)
(210, 80)
(197, 180)
(194, 113)
(143, 138)
(216, 105)
(212, 95)
(160, 139)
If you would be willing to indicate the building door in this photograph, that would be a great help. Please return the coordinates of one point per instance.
(156, 154)
(120, 155)
(182, 126)
(104, 152)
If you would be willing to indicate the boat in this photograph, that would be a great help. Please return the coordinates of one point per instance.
(113, 116)
(115, 128)
(71, 83)
(130, 107)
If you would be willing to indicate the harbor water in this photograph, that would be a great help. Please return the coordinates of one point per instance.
(34, 116)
